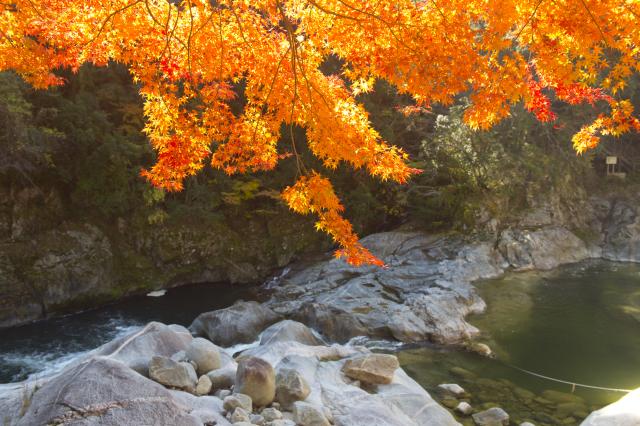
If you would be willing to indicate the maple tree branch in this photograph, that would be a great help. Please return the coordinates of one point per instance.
(109, 18)
(535, 10)
(594, 21)
(189, 38)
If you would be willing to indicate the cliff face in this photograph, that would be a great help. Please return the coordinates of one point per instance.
(54, 261)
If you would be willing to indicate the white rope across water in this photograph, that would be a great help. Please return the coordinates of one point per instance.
(573, 384)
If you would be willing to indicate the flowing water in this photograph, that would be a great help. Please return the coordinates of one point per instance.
(579, 323)
(47, 346)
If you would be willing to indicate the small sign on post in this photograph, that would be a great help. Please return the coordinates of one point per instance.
(611, 164)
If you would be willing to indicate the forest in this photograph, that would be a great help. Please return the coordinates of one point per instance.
(320, 212)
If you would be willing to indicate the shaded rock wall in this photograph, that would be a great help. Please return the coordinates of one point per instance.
(54, 261)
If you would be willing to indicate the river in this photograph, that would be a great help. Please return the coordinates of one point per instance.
(579, 323)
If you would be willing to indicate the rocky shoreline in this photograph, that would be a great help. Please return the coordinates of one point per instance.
(156, 375)
(162, 375)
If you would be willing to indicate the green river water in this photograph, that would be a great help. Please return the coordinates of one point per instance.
(579, 323)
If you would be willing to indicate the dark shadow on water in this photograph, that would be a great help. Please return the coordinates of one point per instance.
(48, 344)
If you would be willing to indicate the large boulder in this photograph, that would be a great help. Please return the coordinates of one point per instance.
(104, 392)
(624, 412)
(289, 330)
(424, 294)
(205, 354)
(256, 377)
(372, 368)
(239, 323)
(290, 387)
(168, 372)
(136, 349)
(622, 232)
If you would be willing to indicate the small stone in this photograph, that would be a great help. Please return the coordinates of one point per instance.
(222, 393)
(464, 408)
(527, 424)
(255, 377)
(452, 388)
(307, 414)
(223, 378)
(275, 405)
(231, 402)
(492, 417)
(290, 387)
(240, 415)
(168, 372)
(257, 419)
(271, 414)
(371, 368)
(243, 424)
(281, 422)
(204, 386)
(480, 349)
(204, 353)
(179, 356)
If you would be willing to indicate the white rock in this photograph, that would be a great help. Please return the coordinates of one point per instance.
(204, 386)
(240, 415)
(464, 408)
(624, 412)
(452, 388)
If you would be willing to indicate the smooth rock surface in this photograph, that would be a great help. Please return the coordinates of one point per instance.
(223, 378)
(464, 408)
(236, 400)
(624, 412)
(179, 375)
(492, 417)
(372, 368)
(205, 354)
(289, 330)
(451, 388)
(83, 396)
(306, 414)
(240, 323)
(203, 387)
(257, 378)
(290, 387)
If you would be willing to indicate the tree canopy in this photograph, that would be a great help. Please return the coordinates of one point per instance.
(195, 61)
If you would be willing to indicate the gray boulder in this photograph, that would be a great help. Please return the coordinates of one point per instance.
(179, 375)
(223, 378)
(204, 353)
(306, 414)
(239, 323)
(372, 368)
(256, 377)
(492, 417)
(105, 392)
(289, 330)
(290, 387)
(136, 349)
